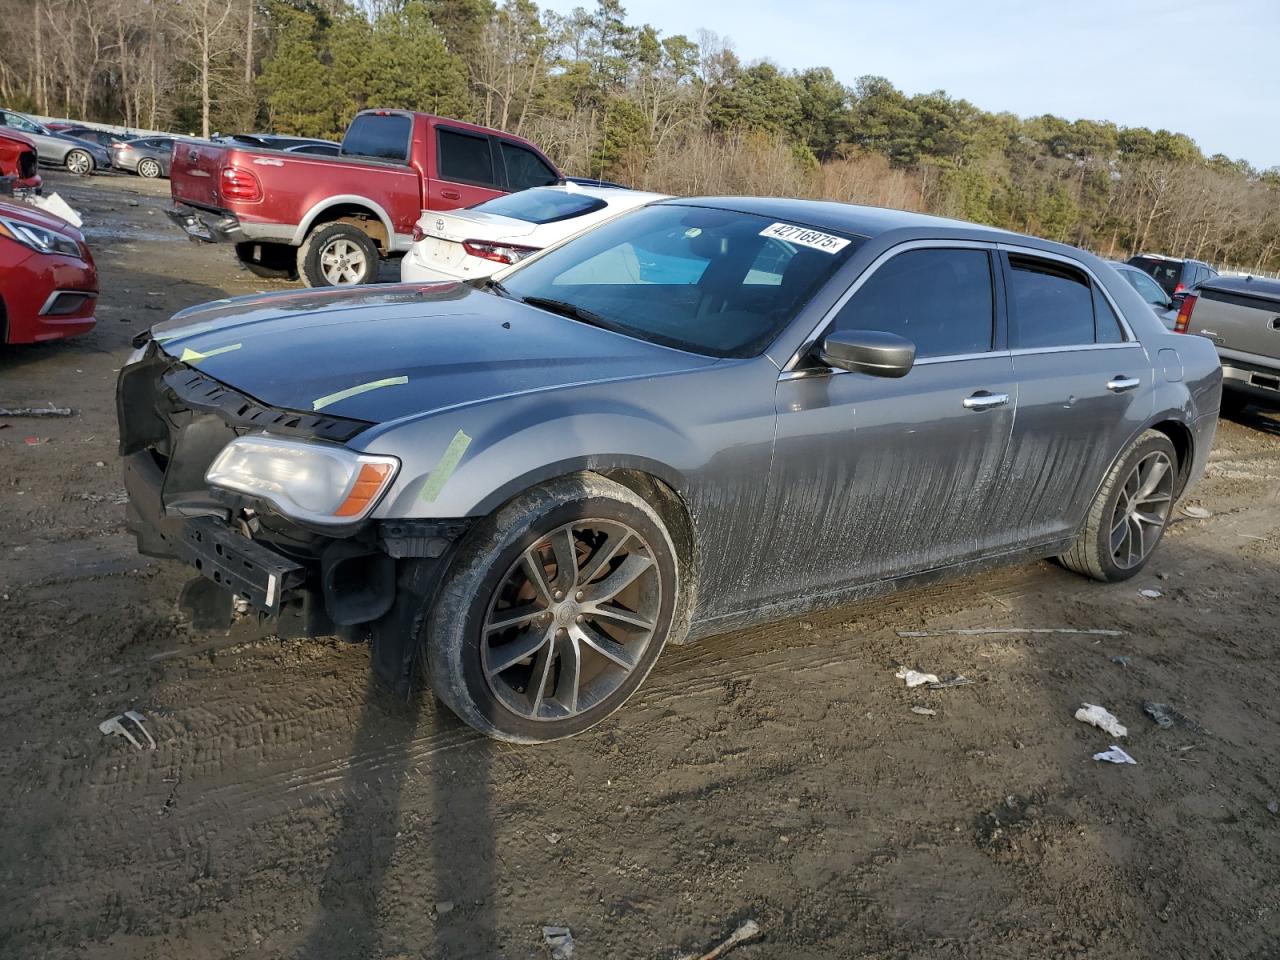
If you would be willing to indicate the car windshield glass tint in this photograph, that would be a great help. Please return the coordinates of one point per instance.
(380, 137)
(541, 206)
(711, 281)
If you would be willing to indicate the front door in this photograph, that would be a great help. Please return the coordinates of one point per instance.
(873, 477)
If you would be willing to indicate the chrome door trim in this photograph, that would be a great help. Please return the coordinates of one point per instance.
(866, 274)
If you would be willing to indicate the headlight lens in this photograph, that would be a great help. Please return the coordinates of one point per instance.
(307, 481)
(38, 238)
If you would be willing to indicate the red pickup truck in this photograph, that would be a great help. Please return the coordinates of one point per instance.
(330, 220)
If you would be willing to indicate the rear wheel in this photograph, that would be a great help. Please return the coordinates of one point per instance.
(271, 261)
(148, 169)
(1129, 515)
(554, 611)
(79, 162)
(337, 255)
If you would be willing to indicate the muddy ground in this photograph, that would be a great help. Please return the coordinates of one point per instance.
(293, 809)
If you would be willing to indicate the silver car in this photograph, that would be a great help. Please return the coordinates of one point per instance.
(705, 414)
(80, 157)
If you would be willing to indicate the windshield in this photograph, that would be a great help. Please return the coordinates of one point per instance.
(711, 281)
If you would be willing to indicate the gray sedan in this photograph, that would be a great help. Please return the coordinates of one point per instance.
(1161, 303)
(702, 415)
(79, 156)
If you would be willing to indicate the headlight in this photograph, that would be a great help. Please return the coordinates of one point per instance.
(307, 481)
(38, 238)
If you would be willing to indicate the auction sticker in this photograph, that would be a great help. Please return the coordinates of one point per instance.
(805, 237)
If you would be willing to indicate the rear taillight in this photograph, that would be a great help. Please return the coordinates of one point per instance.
(1179, 288)
(418, 234)
(1184, 313)
(497, 252)
(240, 184)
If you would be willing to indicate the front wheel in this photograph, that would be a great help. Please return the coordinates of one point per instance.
(554, 610)
(148, 169)
(337, 255)
(79, 162)
(1129, 515)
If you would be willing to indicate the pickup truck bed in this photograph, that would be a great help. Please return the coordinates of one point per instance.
(330, 220)
(1241, 315)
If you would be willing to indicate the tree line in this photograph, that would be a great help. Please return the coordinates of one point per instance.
(607, 97)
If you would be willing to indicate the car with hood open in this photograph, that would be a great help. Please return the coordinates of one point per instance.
(701, 415)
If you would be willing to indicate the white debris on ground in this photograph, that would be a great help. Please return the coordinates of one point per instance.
(914, 678)
(1114, 755)
(1102, 718)
(1150, 594)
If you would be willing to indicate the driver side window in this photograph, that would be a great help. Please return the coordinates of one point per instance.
(940, 299)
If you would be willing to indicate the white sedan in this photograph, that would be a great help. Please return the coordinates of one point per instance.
(481, 240)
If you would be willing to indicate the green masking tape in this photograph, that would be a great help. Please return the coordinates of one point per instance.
(195, 356)
(443, 470)
(357, 390)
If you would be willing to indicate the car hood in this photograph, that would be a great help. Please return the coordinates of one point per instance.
(380, 353)
(21, 138)
(26, 213)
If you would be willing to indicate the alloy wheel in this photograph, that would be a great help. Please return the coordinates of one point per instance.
(79, 162)
(1142, 509)
(571, 619)
(149, 169)
(342, 262)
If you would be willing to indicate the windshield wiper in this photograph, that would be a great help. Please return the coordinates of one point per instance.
(571, 310)
(488, 283)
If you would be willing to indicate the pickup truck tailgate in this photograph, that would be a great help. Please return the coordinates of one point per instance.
(1240, 315)
(193, 177)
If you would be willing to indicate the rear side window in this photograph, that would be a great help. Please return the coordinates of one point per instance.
(1051, 304)
(464, 158)
(938, 299)
(1106, 325)
(379, 137)
(525, 168)
(541, 206)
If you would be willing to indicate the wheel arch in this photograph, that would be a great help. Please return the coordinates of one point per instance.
(361, 212)
(1184, 445)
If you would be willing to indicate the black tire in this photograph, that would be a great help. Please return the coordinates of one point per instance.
(271, 261)
(1093, 554)
(79, 162)
(149, 169)
(451, 646)
(320, 243)
(1234, 403)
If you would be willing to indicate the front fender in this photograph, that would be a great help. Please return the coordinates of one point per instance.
(465, 462)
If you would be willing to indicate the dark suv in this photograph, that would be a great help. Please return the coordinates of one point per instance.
(1173, 275)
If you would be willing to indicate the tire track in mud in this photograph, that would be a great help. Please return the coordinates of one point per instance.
(260, 745)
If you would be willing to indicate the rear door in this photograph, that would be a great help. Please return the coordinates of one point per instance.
(466, 169)
(1084, 387)
(874, 477)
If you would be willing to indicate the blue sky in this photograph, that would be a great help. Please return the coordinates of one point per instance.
(1209, 69)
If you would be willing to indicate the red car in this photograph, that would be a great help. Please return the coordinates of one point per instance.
(18, 158)
(48, 283)
(332, 219)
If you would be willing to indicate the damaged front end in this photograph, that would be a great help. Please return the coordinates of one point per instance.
(358, 578)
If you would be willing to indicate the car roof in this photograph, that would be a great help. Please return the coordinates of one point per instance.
(849, 218)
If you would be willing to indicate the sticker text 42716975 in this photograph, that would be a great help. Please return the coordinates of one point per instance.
(805, 237)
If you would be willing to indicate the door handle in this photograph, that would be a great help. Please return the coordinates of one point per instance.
(1121, 383)
(982, 400)
(450, 194)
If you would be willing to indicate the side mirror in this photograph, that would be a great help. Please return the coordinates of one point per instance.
(868, 351)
